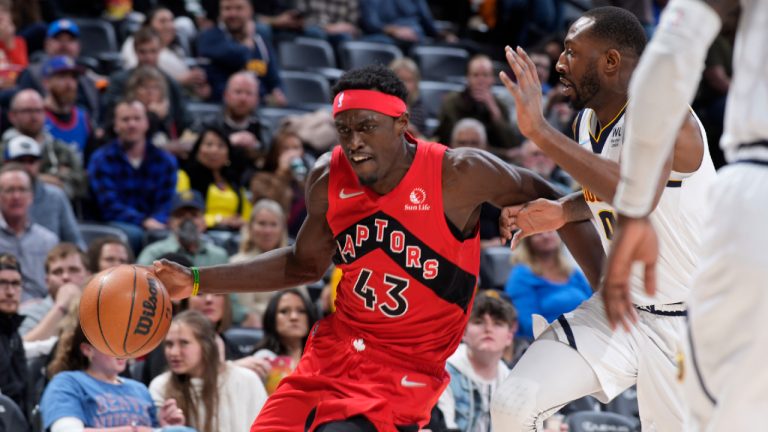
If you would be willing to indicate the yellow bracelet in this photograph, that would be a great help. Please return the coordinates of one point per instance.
(196, 279)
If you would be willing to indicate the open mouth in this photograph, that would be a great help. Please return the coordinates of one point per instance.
(567, 86)
(359, 159)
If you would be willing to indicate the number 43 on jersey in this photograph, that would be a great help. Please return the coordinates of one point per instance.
(394, 305)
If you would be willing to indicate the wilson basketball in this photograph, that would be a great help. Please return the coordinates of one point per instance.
(125, 311)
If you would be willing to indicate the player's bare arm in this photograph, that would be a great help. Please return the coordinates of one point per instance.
(306, 261)
(600, 175)
(635, 239)
(500, 184)
(523, 220)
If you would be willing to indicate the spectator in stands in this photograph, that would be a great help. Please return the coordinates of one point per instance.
(214, 395)
(537, 161)
(30, 22)
(50, 206)
(61, 165)
(147, 85)
(402, 22)
(476, 368)
(544, 281)
(173, 56)
(187, 223)
(27, 241)
(266, 231)
(287, 321)
(86, 391)
(13, 49)
(287, 162)
(66, 121)
(332, 20)
(133, 181)
(276, 19)
(63, 39)
(408, 72)
(209, 172)
(66, 270)
(469, 132)
(13, 361)
(238, 120)
(236, 45)
(107, 252)
(477, 101)
(147, 45)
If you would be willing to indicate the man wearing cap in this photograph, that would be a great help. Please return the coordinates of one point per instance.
(187, 223)
(63, 118)
(60, 164)
(51, 207)
(63, 39)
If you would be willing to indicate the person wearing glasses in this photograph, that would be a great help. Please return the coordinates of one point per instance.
(13, 361)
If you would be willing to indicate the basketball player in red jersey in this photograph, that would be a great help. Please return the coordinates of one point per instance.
(399, 216)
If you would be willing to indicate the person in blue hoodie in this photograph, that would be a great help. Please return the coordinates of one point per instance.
(544, 281)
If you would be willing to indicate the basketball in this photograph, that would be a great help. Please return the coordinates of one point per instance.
(125, 311)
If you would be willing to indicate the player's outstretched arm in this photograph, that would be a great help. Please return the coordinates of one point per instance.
(496, 182)
(523, 220)
(306, 261)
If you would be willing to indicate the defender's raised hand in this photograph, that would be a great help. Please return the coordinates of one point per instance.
(526, 91)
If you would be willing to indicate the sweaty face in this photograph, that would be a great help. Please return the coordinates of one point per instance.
(577, 65)
(370, 141)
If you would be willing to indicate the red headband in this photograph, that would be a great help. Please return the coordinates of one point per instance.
(372, 100)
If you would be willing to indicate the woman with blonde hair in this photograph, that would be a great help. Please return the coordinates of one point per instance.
(266, 231)
(544, 281)
(216, 396)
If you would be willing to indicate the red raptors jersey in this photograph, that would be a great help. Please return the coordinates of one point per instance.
(407, 280)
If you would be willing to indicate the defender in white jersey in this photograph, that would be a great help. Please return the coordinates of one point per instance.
(579, 354)
(726, 380)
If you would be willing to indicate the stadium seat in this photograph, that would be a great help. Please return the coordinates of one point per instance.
(309, 55)
(11, 416)
(356, 54)
(96, 37)
(306, 89)
(432, 94)
(204, 112)
(93, 230)
(495, 265)
(590, 421)
(625, 404)
(441, 63)
(244, 339)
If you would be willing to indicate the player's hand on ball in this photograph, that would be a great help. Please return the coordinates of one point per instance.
(635, 240)
(176, 278)
(520, 221)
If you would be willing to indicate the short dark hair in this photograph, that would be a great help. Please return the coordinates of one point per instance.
(489, 302)
(95, 247)
(618, 27)
(375, 77)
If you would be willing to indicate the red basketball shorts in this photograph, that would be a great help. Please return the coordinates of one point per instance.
(342, 375)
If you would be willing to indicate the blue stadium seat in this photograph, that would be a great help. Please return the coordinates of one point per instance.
(440, 63)
(356, 54)
(306, 89)
(432, 94)
(93, 230)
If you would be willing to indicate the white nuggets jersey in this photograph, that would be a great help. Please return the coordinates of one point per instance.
(746, 112)
(678, 218)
